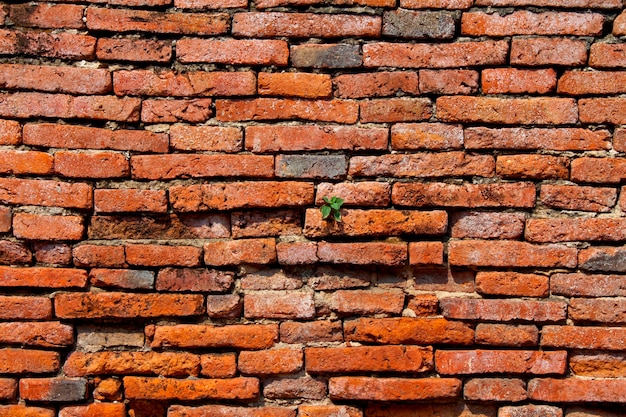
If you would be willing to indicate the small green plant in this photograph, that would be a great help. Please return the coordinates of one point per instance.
(332, 206)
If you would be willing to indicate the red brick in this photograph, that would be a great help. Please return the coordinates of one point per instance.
(108, 389)
(510, 254)
(448, 81)
(525, 362)
(124, 305)
(172, 364)
(224, 306)
(53, 389)
(306, 332)
(40, 334)
(366, 193)
(539, 167)
(229, 411)
(241, 389)
(204, 280)
(228, 196)
(99, 256)
(279, 305)
(423, 165)
(19, 361)
(548, 51)
(588, 285)
(393, 389)
(530, 410)
(601, 365)
(366, 302)
(294, 85)
(206, 138)
(211, 4)
(503, 310)
(132, 3)
(603, 259)
(134, 50)
(161, 167)
(426, 253)
(292, 388)
(124, 20)
(454, 409)
(173, 84)
(330, 278)
(55, 79)
(162, 255)
(436, 4)
(487, 225)
(6, 216)
(598, 170)
(8, 389)
(435, 136)
(515, 81)
(562, 139)
(619, 140)
(450, 55)
(367, 253)
(53, 253)
(94, 410)
(577, 390)
(596, 82)
(529, 23)
(404, 330)
(121, 278)
(47, 227)
(10, 132)
(271, 362)
(340, 360)
(62, 45)
(575, 229)
(272, 279)
(395, 110)
(466, 195)
(48, 16)
(42, 277)
(91, 165)
(598, 4)
(305, 25)
(82, 137)
(25, 308)
(251, 251)
(603, 310)
(169, 111)
(512, 284)
(571, 337)
(218, 365)
(376, 84)
(569, 197)
(495, 389)
(619, 25)
(424, 305)
(278, 138)
(607, 55)
(248, 336)
(25, 162)
(233, 51)
(13, 253)
(129, 200)
(25, 411)
(266, 224)
(340, 111)
(603, 110)
(507, 335)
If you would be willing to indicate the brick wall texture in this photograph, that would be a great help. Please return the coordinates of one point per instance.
(162, 168)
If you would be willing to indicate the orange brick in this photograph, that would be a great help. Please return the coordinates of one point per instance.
(300, 84)
(46, 227)
(619, 140)
(169, 111)
(575, 229)
(404, 330)
(602, 259)
(121, 278)
(425, 253)
(503, 310)
(340, 111)
(211, 4)
(450, 55)
(500, 361)
(129, 200)
(45, 193)
(529, 23)
(63, 45)
(47, 16)
(53, 389)
(448, 81)
(326, 55)
(295, 388)
(515, 81)
(548, 51)
(573, 337)
(601, 365)
(242, 389)
(487, 225)
(495, 389)
(598, 170)
(6, 216)
(424, 305)
(25, 308)
(435, 136)
(367, 253)
(55, 79)
(602, 310)
(162, 255)
(305, 25)
(376, 84)
(40, 334)
(248, 336)
(450, 409)
(395, 110)
(306, 332)
(19, 361)
(124, 305)
(531, 411)
(224, 306)
(223, 411)
(218, 365)
(603, 110)
(340, 360)
(94, 410)
(8, 389)
(366, 302)
(164, 227)
(279, 304)
(607, 55)
(512, 284)
(163, 167)
(598, 4)
(510, 254)
(577, 390)
(561, 139)
(436, 4)
(266, 224)
(25, 162)
(541, 167)
(206, 138)
(619, 25)
(139, 363)
(234, 252)
(134, 50)
(233, 51)
(42, 277)
(507, 335)
(596, 82)
(99, 256)
(25, 411)
(91, 165)
(271, 362)
(173, 84)
(365, 193)
(10, 132)
(393, 389)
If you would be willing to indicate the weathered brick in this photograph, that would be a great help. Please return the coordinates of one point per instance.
(449, 55)
(619, 140)
(53, 389)
(597, 4)
(366, 302)
(603, 110)
(224, 306)
(393, 389)
(602, 259)
(147, 388)
(366, 193)
(19, 361)
(525, 362)
(575, 229)
(495, 389)
(47, 16)
(548, 51)
(99, 256)
(530, 410)
(83, 137)
(162, 255)
(229, 411)
(25, 162)
(577, 390)
(326, 56)
(8, 389)
(170, 111)
(14, 253)
(367, 253)
(172, 364)
(453, 409)
(311, 166)
(395, 110)
(210, 4)
(108, 389)
(305, 25)
(6, 215)
(503, 310)
(272, 279)
(63, 45)
(569, 197)
(228, 196)
(271, 362)
(124, 305)
(376, 84)
(91, 165)
(607, 55)
(173, 84)
(249, 336)
(435, 136)
(600, 365)
(510, 254)
(436, 4)
(507, 335)
(25, 308)
(292, 388)
(277, 138)
(234, 252)
(422, 165)
(129, 200)
(264, 224)
(512, 284)
(163, 167)
(515, 81)
(423, 305)
(306, 332)
(279, 305)
(205, 280)
(562, 139)
(10, 132)
(573, 337)
(53, 253)
(25, 411)
(598, 170)
(340, 111)
(619, 25)
(55, 79)
(601, 310)
(466, 195)
(121, 278)
(42, 277)
(218, 365)
(596, 82)
(47, 227)
(97, 338)
(426, 253)
(133, 50)
(448, 81)
(329, 278)
(41, 334)
(233, 51)
(528, 23)
(588, 285)
(125, 20)
(418, 25)
(404, 330)
(93, 410)
(301, 84)
(487, 225)
(540, 167)
(409, 359)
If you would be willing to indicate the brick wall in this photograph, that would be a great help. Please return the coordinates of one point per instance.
(162, 251)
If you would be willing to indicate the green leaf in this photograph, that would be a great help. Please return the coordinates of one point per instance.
(325, 211)
(338, 200)
(327, 200)
(337, 216)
